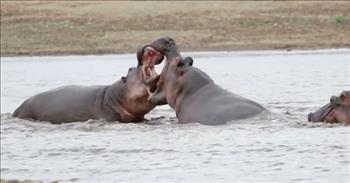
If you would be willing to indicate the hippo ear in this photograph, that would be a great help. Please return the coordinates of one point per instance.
(188, 60)
(345, 97)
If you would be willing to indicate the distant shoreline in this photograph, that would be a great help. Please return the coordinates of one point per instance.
(78, 28)
(184, 51)
(205, 53)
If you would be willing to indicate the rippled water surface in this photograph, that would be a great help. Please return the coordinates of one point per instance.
(278, 146)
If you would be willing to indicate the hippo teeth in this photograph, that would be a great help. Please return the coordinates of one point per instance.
(149, 92)
(152, 72)
(152, 86)
(144, 72)
(149, 72)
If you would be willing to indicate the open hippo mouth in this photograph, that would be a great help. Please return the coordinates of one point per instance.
(321, 114)
(148, 57)
(167, 47)
(152, 84)
(149, 73)
(150, 78)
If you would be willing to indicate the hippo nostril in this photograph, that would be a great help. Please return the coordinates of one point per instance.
(123, 79)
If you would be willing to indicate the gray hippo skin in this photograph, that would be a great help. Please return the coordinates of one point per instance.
(336, 111)
(193, 94)
(125, 100)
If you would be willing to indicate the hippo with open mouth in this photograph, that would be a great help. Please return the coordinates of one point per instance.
(192, 93)
(125, 100)
(337, 110)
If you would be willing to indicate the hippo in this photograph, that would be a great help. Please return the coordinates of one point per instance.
(126, 100)
(336, 111)
(192, 93)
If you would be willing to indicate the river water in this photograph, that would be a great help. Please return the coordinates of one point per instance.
(277, 146)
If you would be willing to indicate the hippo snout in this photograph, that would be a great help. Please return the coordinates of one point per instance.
(314, 117)
(309, 116)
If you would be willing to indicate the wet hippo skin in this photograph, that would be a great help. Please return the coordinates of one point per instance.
(125, 100)
(193, 94)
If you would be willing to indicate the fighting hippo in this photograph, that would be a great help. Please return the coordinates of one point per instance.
(125, 100)
(337, 110)
(193, 94)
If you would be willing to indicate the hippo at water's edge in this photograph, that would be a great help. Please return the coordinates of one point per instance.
(125, 100)
(337, 110)
(193, 94)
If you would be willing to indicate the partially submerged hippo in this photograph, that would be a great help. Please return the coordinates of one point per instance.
(193, 94)
(337, 110)
(125, 100)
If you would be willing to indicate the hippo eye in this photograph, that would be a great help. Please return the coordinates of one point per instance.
(129, 69)
(342, 97)
(335, 101)
(180, 64)
(181, 73)
(332, 100)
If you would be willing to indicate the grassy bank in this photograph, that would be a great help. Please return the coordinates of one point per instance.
(56, 28)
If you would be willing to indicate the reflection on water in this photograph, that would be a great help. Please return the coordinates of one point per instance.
(277, 146)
